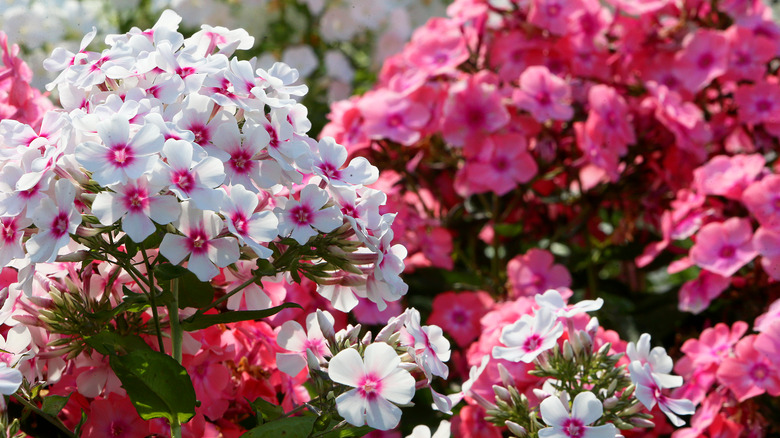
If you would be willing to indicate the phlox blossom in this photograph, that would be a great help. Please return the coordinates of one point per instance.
(303, 219)
(535, 272)
(749, 373)
(252, 228)
(56, 221)
(762, 198)
(294, 338)
(429, 347)
(200, 242)
(585, 410)
(648, 391)
(554, 301)
(544, 95)
(378, 382)
(660, 362)
(119, 157)
(529, 337)
(724, 247)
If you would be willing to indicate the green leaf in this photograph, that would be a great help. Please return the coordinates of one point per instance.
(197, 322)
(53, 404)
(353, 432)
(266, 410)
(158, 386)
(290, 427)
(264, 269)
(110, 343)
(167, 271)
(193, 292)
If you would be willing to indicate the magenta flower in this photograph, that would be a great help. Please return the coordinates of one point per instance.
(544, 95)
(206, 251)
(728, 176)
(585, 409)
(767, 243)
(378, 382)
(529, 337)
(473, 109)
(502, 163)
(119, 158)
(724, 247)
(697, 294)
(758, 103)
(703, 58)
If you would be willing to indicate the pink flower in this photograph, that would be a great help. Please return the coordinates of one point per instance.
(767, 243)
(473, 109)
(703, 58)
(759, 103)
(378, 382)
(114, 416)
(502, 164)
(608, 121)
(459, 313)
(728, 176)
(529, 337)
(749, 373)
(748, 53)
(552, 15)
(762, 199)
(714, 344)
(544, 95)
(696, 295)
(535, 272)
(768, 341)
(437, 48)
(394, 116)
(724, 247)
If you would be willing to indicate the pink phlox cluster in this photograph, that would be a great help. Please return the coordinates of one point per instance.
(535, 272)
(18, 100)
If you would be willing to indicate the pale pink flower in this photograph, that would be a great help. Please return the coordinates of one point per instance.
(767, 243)
(565, 423)
(293, 337)
(724, 247)
(728, 176)
(200, 242)
(529, 337)
(535, 272)
(696, 294)
(394, 116)
(762, 199)
(378, 382)
(252, 297)
(703, 58)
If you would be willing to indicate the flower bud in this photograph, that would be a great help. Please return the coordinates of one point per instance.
(586, 341)
(641, 422)
(516, 429)
(576, 345)
(568, 352)
(611, 402)
(312, 360)
(326, 327)
(502, 393)
(366, 339)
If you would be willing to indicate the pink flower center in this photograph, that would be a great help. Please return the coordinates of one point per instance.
(705, 61)
(8, 231)
(301, 215)
(573, 428)
(759, 372)
(475, 117)
(369, 386)
(727, 252)
(185, 71)
(202, 134)
(459, 317)
(241, 161)
(763, 106)
(120, 155)
(543, 98)
(553, 10)
(395, 121)
(274, 143)
(136, 199)
(532, 343)
(59, 226)
(330, 171)
(240, 222)
(198, 241)
(184, 180)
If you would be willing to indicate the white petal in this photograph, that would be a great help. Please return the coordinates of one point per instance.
(347, 368)
(202, 267)
(223, 251)
(398, 386)
(381, 414)
(605, 431)
(381, 359)
(164, 209)
(138, 226)
(327, 220)
(108, 208)
(587, 407)
(148, 140)
(174, 248)
(352, 406)
(290, 363)
(292, 337)
(553, 412)
(10, 380)
(113, 131)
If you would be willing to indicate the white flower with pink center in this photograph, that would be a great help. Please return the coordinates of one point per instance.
(330, 159)
(189, 179)
(553, 301)
(206, 251)
(585, 410)
(378, 382)
(429, 348)
(648, 391)
(11, 234)
(294, 338)
(302, 219)
(137, 204)
(15, 200)
(120, 158)
(55, 221)
(529, 337)
(241, 157)
(252, 228)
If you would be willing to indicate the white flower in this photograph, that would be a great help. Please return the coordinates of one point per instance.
(10, 379)
(424, 432)
(660, 363)
(648, 391)
(553, 301)
(585, 409)
(301, 219)
(378, 383)
(529, 337)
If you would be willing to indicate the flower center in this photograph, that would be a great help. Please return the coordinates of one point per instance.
(121, 155)
(370, 386)
(759, 372)
(706, 60)
(727, 252)
(573, 428)
(301, 215)
(184, 180)
(59, 226)
(532, 343)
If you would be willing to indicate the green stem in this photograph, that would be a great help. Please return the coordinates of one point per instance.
(155, 315)
(173, 316)
(53, 420)
(175, 427)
